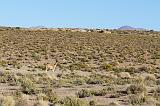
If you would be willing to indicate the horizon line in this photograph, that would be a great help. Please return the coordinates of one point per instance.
(48, 27)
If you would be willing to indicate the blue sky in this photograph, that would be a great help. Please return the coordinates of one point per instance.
(80, 13)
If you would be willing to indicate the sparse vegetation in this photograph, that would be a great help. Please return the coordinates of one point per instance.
(115, 65)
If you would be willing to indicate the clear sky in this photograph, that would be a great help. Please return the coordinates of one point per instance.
(80, 13)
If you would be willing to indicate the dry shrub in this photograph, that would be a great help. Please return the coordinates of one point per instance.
(102, 92)
(28, 87)
(72, 101)
(7, 101)
(136, 89)
(150, 79)
(137, 99)
(23, 101)
(92, 103)
(84, 93)
(50, 95)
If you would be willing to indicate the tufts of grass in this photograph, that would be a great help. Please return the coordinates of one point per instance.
(72, 101)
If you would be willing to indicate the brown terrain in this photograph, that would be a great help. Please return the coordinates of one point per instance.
(94, 67)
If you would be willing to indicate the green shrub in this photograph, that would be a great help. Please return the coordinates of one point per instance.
(28, 86)
(102, 92)
(7, 77)
(138, 80)
(123, 81)
(158, 82)
(156, 55)
(113, 104)
(78, 82)
(36, 56)
(78, 66)
(13, 79)
(107, 67)
(158, 90)
(111, 88)
(150, 79)
(156, 93)
(92, 103)
(71, 101)
(95, 81)
(136, 89)
(137, 99)
(3, 63)
(84, 93)
(18, 93)
(14, 63)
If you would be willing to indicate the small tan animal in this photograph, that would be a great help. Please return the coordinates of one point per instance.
(51, 66)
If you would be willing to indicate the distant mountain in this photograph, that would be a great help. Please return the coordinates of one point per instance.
(130, 28)
(37, 27)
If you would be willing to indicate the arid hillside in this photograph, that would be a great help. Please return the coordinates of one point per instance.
(94, 67)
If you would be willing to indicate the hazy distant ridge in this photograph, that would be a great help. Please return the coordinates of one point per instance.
(131, 28)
